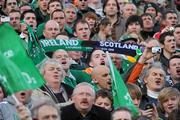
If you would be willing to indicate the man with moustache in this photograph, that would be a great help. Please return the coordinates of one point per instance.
(83, 108)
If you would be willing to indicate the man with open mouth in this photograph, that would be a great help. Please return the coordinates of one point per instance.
(83, 107)
(97, 57)
(72, 77)
(101, 77)
(167, 40)
(174, 70)
(29, 17)
(154, 79)
(8, 106)
(53, 74)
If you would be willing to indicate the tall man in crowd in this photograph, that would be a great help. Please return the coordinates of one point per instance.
(112, 11)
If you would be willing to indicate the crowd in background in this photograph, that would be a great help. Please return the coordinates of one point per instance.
(79, 84)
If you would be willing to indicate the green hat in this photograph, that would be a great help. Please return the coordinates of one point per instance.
(125, 38)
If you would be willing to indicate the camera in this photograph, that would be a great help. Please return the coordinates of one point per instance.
(156, 50)
(5, 19)
(148, 106)
(171, 29)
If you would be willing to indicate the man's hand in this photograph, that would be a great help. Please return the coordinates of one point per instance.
(23, 112)
(147, 53)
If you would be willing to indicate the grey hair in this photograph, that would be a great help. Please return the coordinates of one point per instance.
(58, 50)
(157, 65)
(51, 62)
(83, 84)
(119, 109)
(43, 102)
(70, 5)
(62, 50)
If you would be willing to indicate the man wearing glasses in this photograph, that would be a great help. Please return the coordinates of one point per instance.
(82, 108)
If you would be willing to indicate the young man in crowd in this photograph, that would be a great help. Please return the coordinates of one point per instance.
(10, 5)
(148, 25)
(15, 20)
(82, 30)
(173, 70)
(168, 43)
(112, 11)
(59, 16)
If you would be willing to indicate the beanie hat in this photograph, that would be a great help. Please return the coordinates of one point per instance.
(151, 5)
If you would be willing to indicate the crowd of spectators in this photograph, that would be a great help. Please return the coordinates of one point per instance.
(79, 84)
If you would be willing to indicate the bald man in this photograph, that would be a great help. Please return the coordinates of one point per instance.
(101, 77)
(51, 29)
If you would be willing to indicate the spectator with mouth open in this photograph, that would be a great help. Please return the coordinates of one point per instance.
(8, 106)
(168, 43)
(101, 77)
(29, 18)
(83, 107)
(97, 57)
(154, 79)
(72, 77)
(174, 70)
(53, 74)
(82, 30)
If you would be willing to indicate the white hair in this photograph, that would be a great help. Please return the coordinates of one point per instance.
(83, 84)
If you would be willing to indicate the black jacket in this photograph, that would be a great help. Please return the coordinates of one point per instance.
(96, 113)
